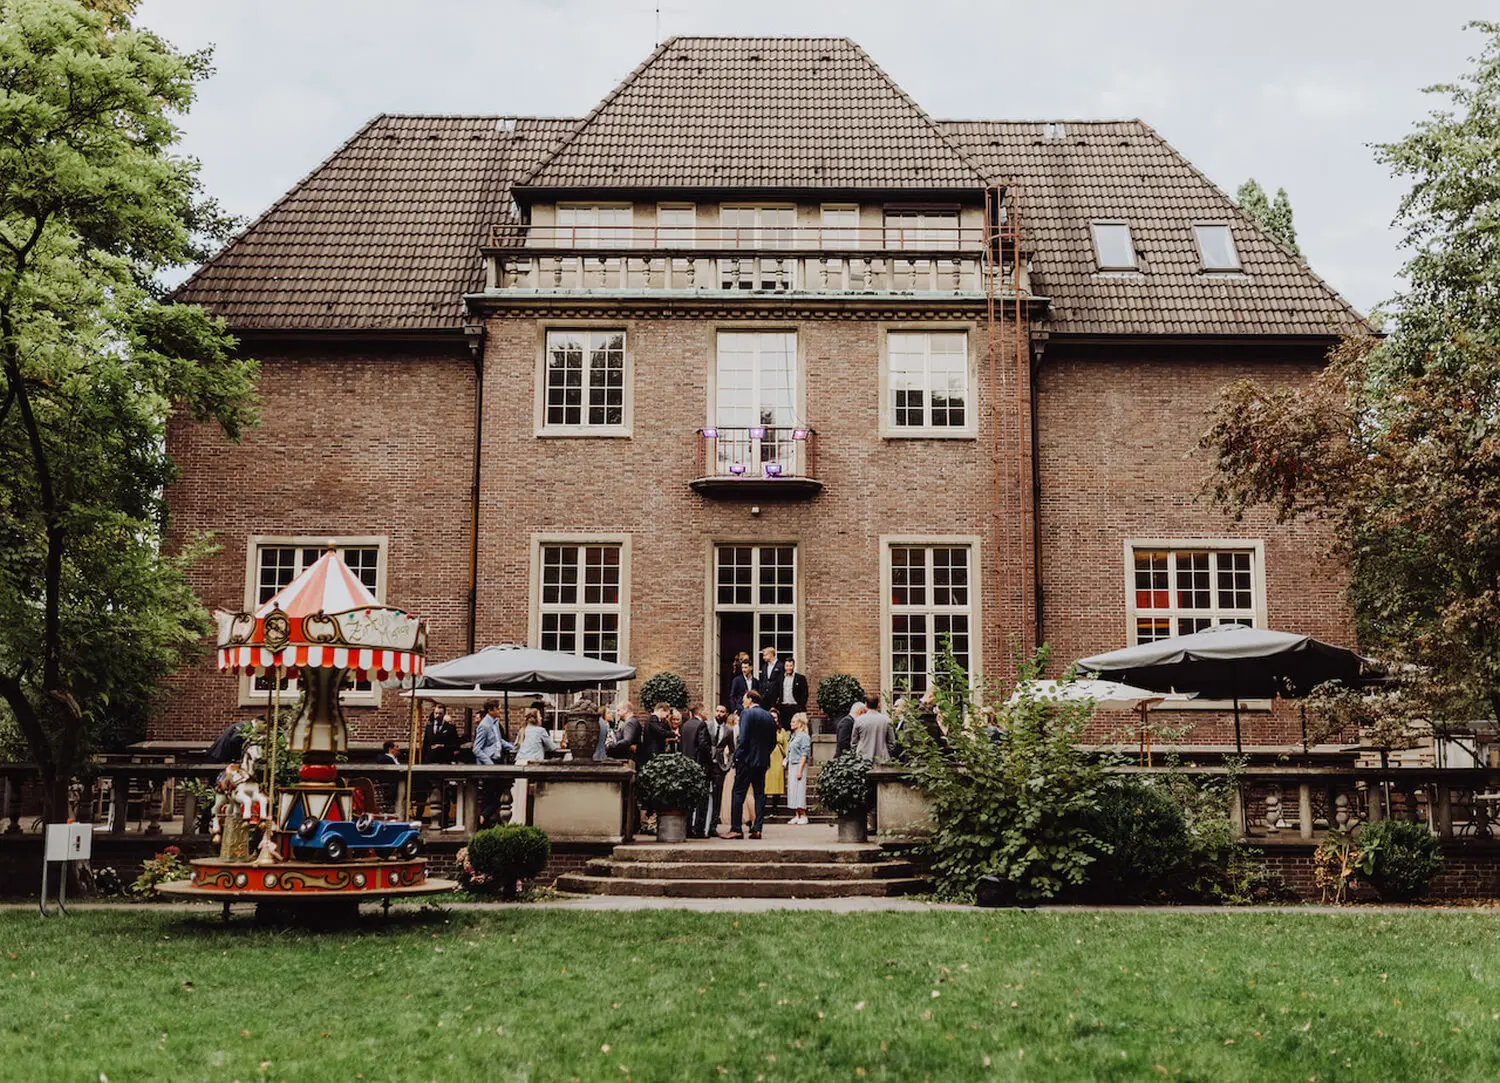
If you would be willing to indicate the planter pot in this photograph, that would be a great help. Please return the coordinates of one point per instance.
(583, 736)
(853, 829)
(671, 827)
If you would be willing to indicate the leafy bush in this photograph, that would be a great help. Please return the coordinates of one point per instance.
(844, 785)
(163, 868)
(672, 782)
(1337, 866)
(1147, 853)
(837, 693)
(498, 858)
(1400, 858)
(665, 688)
(1022, 807)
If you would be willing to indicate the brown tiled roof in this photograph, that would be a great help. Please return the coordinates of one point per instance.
(1124, 170)
(383, 235)
(767, 113)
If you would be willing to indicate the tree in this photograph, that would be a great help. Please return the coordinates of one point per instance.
(1397, 443)
(1275, 218)
(93, 205)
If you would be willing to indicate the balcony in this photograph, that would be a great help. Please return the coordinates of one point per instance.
(760, 462)
(792, 260)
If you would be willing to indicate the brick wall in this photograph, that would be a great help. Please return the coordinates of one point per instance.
(1117, 431)
(351, 442)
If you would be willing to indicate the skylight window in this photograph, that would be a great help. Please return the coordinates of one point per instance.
(1113, 247)
(1216, 246)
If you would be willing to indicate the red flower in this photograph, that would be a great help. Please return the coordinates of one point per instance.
(173, 850)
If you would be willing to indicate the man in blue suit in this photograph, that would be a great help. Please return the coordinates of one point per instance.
(752, 756)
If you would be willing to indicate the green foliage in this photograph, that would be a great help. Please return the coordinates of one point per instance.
(1397, 444)
(1337, 867)
(672, 782)
(665, 688)
(163, 868)
(1021, 808)
(498, 858)
(94, 611)
(1148, 853)
(837, 693)
(844, 787)
(1275, 218)
(1400, 858)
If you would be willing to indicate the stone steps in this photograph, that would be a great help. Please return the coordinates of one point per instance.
(744, 852)
(738, 889)
(726, 870)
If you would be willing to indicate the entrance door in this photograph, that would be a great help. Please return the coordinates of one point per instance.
(736, 633)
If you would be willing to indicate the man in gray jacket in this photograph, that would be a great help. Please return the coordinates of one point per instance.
(872, 732)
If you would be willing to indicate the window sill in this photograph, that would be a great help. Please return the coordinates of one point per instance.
(583, 432)
(929, 434)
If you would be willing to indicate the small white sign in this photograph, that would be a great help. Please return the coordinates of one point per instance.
(70, 842)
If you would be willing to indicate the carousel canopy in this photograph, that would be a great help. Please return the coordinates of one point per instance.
(325, 618)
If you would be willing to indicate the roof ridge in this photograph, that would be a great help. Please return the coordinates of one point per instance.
(240, 235)
(963, 155)
(1286, 250)
(583, 123)
(1038, 120)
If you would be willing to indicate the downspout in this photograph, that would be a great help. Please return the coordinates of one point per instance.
(1037, 349)
(474, 334)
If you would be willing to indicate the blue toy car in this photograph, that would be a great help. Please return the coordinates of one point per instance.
(334, 840)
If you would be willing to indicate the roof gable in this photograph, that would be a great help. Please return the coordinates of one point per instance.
(757, 113)
(1124, 171)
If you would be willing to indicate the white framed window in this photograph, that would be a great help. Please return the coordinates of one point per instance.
(581, 604)
(1177, 587)
(755, 379)
(839, 225)
(1216, 246)
(584, 387)
(676, 225)
(1114, 248)
(926, 389)
(930, 597)
(757, 585)
(593, 225)
(921, 229)
(273, 561)
(754, 225)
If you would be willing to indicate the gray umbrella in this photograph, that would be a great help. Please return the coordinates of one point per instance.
(510, 668)
(1233, 662)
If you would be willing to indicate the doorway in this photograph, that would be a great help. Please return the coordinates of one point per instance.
(736, 633)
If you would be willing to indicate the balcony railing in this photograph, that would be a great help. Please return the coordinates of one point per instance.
(795, 259)
(758, 460)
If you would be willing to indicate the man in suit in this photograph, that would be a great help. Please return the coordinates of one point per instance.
(843, 739)
(791, 692)
(440, 744)
(389, 753)
(752, 756)
(657, 734)
(720, 741)
(694, 742)
(627, 740)
(768, 679)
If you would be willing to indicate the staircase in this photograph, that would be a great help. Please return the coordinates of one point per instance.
(748, 869)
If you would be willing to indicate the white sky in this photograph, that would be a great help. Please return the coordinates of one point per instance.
(1291, 93)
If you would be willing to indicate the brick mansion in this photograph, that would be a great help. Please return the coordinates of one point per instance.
(758, 352)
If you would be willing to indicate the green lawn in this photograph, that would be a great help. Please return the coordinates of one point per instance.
(533, 994)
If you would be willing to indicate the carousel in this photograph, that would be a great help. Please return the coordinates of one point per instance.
(316, 844)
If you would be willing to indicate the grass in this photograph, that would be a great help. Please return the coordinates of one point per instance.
(661, 995)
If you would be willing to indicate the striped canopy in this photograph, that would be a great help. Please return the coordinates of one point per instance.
(325, 618)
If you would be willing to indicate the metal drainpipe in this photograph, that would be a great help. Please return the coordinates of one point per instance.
(475, 335)
(1036, 492)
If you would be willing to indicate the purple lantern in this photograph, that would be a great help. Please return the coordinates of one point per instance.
(758, 432)
(773, 470)
(710, 434)
(799, 434)
(736, 469)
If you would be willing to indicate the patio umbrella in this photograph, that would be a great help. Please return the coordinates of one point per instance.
(510, 668)
(1233, 662)
(1108, 695)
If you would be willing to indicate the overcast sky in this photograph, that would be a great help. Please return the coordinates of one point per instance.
(1291, 93)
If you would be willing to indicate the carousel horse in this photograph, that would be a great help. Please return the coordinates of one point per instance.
(237, 783)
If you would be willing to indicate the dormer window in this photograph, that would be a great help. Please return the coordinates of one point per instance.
(1114, 250)
(1216, 247)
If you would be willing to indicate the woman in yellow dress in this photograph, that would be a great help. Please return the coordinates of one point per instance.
(776, 773)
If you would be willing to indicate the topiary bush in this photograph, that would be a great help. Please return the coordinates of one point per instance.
(1146, 851)
(664, 688)
(503, 856)
(837, 693)
(1399, 858)
(844, 785)
(672, 782)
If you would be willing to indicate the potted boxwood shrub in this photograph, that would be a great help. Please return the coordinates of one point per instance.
(670, 784)
(844, 789)
(836, 694)
(504, 856)
(665, 688)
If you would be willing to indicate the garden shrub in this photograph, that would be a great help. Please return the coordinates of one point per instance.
(1399, 858)
(837, 693)
(497, 858)
(665, 688)
(844, 785)
(1148, 854)
(161, 869)
(672, 782)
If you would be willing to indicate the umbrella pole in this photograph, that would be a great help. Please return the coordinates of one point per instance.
(411, 747)
(275, 734)
(1238, 747)
(507, 714)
